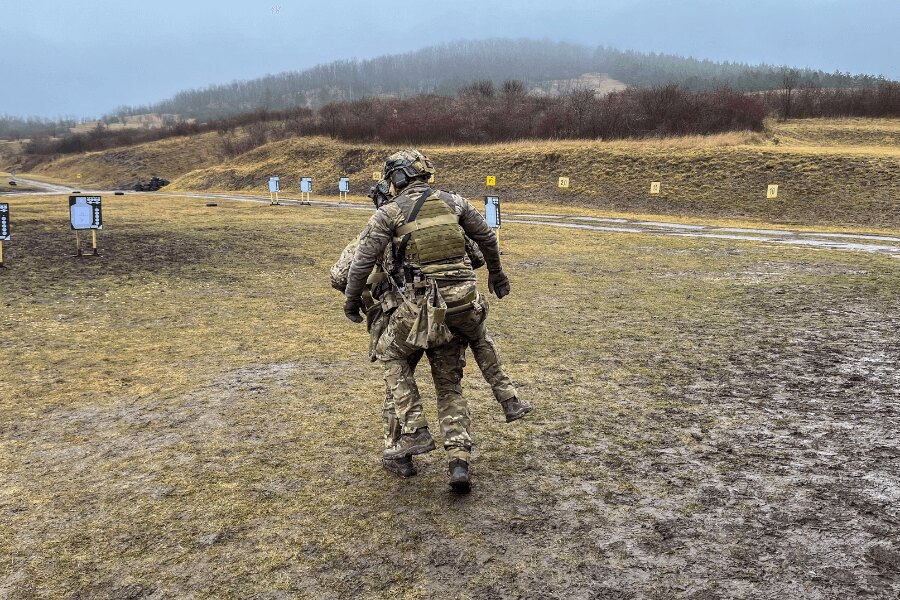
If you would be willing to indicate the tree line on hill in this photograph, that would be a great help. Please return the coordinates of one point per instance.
(484, 113)
(444, 70)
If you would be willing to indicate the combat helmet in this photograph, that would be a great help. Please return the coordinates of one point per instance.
(402, 167)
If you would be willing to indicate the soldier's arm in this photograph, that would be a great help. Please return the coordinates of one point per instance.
(475, 255)
(342, 267)
(372, 242)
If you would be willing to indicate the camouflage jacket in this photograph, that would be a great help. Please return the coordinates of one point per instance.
(341, 268)
(376, 239)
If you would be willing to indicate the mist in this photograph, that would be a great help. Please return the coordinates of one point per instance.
(63, 59)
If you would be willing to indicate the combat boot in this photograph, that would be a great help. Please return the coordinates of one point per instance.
(403, 467)
(515, 409)
(411, 444)
(459, 476)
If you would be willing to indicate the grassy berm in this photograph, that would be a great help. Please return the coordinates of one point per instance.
(830, 172)
(191, 416)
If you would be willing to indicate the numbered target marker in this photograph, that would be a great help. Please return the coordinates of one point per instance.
(772, 191)
(563, 182)
(491, 181)
(654, 187)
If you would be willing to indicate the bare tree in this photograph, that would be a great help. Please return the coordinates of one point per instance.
(789, 81)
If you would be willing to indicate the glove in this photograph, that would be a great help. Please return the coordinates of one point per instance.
(498, 283)
(351, 308)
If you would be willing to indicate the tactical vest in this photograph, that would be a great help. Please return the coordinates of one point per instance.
(434, 237)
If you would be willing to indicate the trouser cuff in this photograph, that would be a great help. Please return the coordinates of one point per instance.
(505, 395)
(412, 426)
(458, 453)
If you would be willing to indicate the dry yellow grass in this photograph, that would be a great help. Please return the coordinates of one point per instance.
(193, 416)
(831, 173)
(123, 167)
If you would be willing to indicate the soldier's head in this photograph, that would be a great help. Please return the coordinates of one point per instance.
(407, 166)
(380, 193)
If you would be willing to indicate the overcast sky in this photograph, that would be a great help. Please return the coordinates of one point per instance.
(61, 58)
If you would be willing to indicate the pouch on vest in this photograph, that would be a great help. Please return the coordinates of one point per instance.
(429, 329)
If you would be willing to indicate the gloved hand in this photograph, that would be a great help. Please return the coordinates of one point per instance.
(351, 308)
(498, 283)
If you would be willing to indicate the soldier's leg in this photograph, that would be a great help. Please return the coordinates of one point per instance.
(402, 466)
(392, 426)
(447, 363)
(488, 358)
(471, 325)
(393, 354)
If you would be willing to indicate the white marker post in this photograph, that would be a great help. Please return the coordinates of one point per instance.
(274, 188)
(492, 215)
(85, 212)
(4, 229)
(305, 190)
(344, 188)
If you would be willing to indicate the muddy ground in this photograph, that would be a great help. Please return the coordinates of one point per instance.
(191, 416)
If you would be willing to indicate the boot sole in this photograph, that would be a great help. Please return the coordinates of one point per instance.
(461, 487)
(402, 473)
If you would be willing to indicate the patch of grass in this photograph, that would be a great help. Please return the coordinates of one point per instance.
(831, 172)
(193, 416)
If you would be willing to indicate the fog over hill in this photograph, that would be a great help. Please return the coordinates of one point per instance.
(84, 59)
(444, 69)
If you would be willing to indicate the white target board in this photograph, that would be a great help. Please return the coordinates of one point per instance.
(274, 184)
(85, 212)
(306, 184)
(344, 184)
(492, 211)
(4, 223)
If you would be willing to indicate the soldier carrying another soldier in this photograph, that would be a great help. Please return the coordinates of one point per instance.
(378, 302)
(439, 308)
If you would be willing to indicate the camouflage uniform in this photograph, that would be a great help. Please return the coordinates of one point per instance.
(487, 356)
(441, 312)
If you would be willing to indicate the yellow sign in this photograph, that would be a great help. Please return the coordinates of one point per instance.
(563, 182)
(654, 187)
(78, 176)
(491, 181)
(772, 191)
(376, 176)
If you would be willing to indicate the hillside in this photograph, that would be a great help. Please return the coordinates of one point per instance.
(122, 167)
(830, 172)
(444, 69)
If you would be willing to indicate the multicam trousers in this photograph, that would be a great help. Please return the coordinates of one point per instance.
(403, 410)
